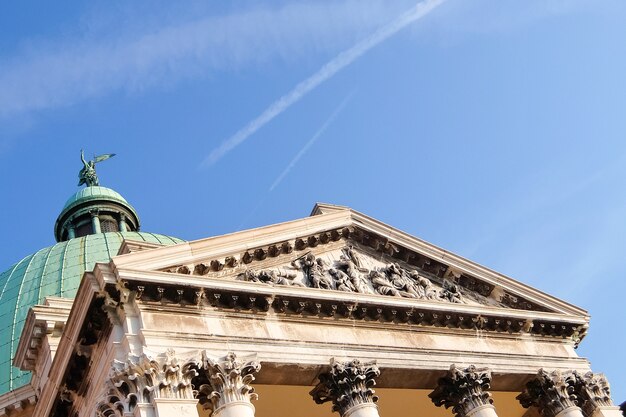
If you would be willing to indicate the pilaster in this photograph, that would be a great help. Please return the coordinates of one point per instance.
(349, 386)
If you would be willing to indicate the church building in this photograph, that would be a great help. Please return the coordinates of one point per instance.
(333, 314)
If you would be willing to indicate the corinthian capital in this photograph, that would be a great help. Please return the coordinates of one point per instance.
(348, 384)
(592, 391)
(141, 379)
(226, 381)
(463, 389)
(551, 392)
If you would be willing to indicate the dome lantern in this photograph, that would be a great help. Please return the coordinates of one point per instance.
(94, 209)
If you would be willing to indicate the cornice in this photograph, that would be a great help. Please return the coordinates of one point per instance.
(16, 400)
(76, 321)
(159, 288)
(224, 245)
(214, 252)
(464, 264)
(41, 320)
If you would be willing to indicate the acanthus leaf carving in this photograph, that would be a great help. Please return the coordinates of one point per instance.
(346, 385)
(141, 379)
(463, 389)
(224, 381)
(550, 392)
(593, 391)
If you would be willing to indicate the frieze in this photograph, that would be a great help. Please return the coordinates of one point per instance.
(267, 298)
(350, 273)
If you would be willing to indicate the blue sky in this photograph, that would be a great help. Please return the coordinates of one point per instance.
(495, 129)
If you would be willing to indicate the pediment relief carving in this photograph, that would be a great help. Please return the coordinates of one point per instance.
(348, 274)
(353, 260)
(345, 270)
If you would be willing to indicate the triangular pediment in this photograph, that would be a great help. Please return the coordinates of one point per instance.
(348, 254)
(340, 265)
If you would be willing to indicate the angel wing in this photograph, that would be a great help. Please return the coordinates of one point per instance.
(103, 157)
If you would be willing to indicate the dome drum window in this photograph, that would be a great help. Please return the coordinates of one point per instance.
(108, 224)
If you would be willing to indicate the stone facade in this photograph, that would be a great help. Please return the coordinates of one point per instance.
(335, 304)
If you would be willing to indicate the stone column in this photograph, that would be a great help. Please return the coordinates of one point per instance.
(349, 386)
(224, 385)
(95, 221)
(122, 225)
(465, 390)
(71, 231)
(552, 393)
(594, 395)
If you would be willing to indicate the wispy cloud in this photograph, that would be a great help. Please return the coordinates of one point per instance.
(53, 73)
(312, 141)
(329, 69)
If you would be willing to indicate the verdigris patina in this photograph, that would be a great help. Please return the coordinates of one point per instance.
(87, 174)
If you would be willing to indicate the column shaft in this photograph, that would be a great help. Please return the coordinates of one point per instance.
(95, 223)
(607, 412)
(122, 225)
(571, 412)
(362, 410)
(175, 407)
(487, 410)
(235, 409)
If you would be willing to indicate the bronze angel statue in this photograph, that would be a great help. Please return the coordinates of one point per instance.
(87, 174)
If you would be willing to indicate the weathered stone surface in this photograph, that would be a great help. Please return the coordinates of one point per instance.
(347, 385)
(463, 389)
(551, 392)
(592, 391)
(225, 381)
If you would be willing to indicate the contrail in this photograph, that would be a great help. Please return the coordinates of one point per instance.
(311, 141)
(329, 69)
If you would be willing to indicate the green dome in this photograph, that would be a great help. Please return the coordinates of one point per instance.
(88, 198)
(54, 271)
(93, 193)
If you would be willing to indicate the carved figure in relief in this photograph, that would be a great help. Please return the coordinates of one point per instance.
(451, 293)
(430, 292)
(350, 254)
(269, 277)
(315, 270)
(381, 284)
(342, 280)
(350, 264)
(401, 282)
